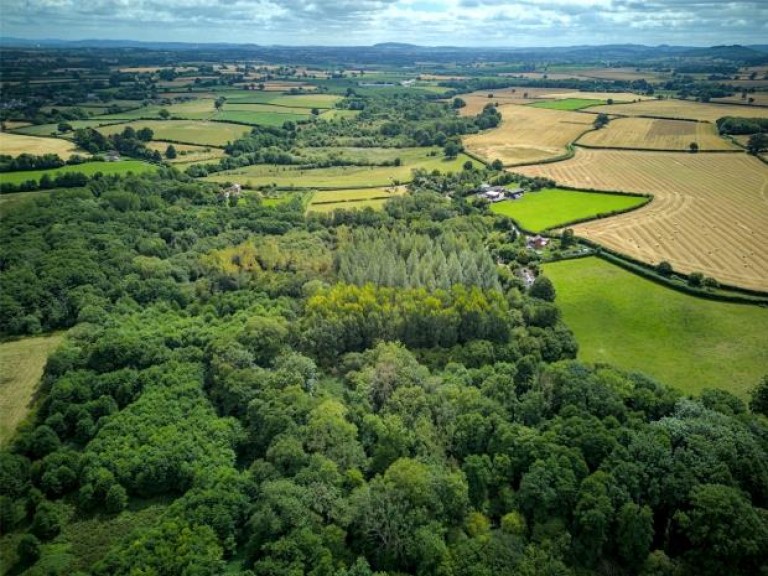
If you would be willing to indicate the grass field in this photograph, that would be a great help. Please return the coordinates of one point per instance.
(548, 208)
(682, 109)
(709, 212)
(341, 196)
(375, 203)
(187, 131)
(88, 168)
(229, 114)
(528, 134)
(52, 129)
(21, 367)
(276, 99)
(188, 153)
(687, 342)
(568, 104)
(653, 134)
(337, 176)
(15, 144)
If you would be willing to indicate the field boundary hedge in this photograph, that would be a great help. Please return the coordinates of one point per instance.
(740, 295)
(634, 149)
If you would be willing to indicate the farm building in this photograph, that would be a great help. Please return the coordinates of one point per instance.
(537, 242)
(498, 193)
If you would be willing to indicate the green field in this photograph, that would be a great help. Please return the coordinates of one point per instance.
(88, 168)
(551, 207)
(375, 203)
(337, 176)
(52, 129)
(261, 118)
(568, 104)
(278, 99)
(687, 342)
(22, 363)
(186, 131)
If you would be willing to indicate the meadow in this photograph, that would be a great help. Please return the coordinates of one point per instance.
(528, 135)
(15, 144)
(654, 134)
(329, 200)
(552, 207)
(22, 363)
(568, 104)
(684, 341)
(681, 109)
(708, 215)
(187, 153)
(336, 176)
(230, 114)
(185, 131)
(53, 130)
(87, 168)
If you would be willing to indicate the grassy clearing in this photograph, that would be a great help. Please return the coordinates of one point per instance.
(548, 208)
(21, 363)
(568, 104)
(337, 176)
(653, 134)
(188, 153)
(635, 324)
(528, 134)
(88, 168)
(15, 144)
(187, 131)
(276, 99)
(709, 211)
(335, 196)
(376, 204)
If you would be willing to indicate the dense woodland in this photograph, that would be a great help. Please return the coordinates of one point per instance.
(349, 394)
(248, 389)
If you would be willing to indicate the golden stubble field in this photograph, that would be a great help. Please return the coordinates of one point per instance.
(476, 101)
(654, 134)
(709, 213)
(682, 109)
(15, 144)
(528, 134)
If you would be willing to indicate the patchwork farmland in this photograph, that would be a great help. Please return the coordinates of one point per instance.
(681, 109)
(528, 135)
(654, 134)
(708, 215)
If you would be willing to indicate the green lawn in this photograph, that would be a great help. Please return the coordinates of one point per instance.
(687, 342)
(88, 168)
(186, 131)
(568, 104)
(551, 207)
(337, 176)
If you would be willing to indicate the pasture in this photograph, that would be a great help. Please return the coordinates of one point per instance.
(568, 104)
(528, 135)
(682, 109)
(187, 153)
(635, 324)
(22, 363)
(336, 176)
(185, 131)
(53, 130)
(87, 168)
(15, 144)
(551, 207)
(654, 134)
(230, 114)
(709, 212)
(330, 200)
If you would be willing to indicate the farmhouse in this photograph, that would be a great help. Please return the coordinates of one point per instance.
(498, 193)
(233, 191)
(537, 242)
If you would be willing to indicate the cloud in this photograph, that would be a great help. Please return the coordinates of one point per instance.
(435, 22)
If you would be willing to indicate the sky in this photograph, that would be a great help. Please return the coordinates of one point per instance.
(523, 23)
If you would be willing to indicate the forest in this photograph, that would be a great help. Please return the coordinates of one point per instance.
(361, 393)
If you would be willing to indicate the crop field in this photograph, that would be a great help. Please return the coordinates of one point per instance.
(186, 131)
(335, 177)
(708, 215)
(635, 324)
(53, 130)
(551, 207)
(476, 101)
(627, 74)
(528, 134)
(88, 168)
(654, 134)
(187, 153)
(568, 104)
(15, 144)
(22, 363)
(682, 109)
(615, 96)
(760, 99)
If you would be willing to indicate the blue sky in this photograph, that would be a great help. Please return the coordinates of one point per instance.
(363, 22)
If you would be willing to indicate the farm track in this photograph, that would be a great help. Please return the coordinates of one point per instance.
(709, 214)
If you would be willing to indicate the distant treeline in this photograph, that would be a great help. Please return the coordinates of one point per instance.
(737, 126)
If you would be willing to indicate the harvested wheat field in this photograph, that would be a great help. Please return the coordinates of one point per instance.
(615, 96)
(758, 99)
(528, 134)
(476, 101)
(15, 144)
(709, 213)
(654, 134)
(681, 109)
